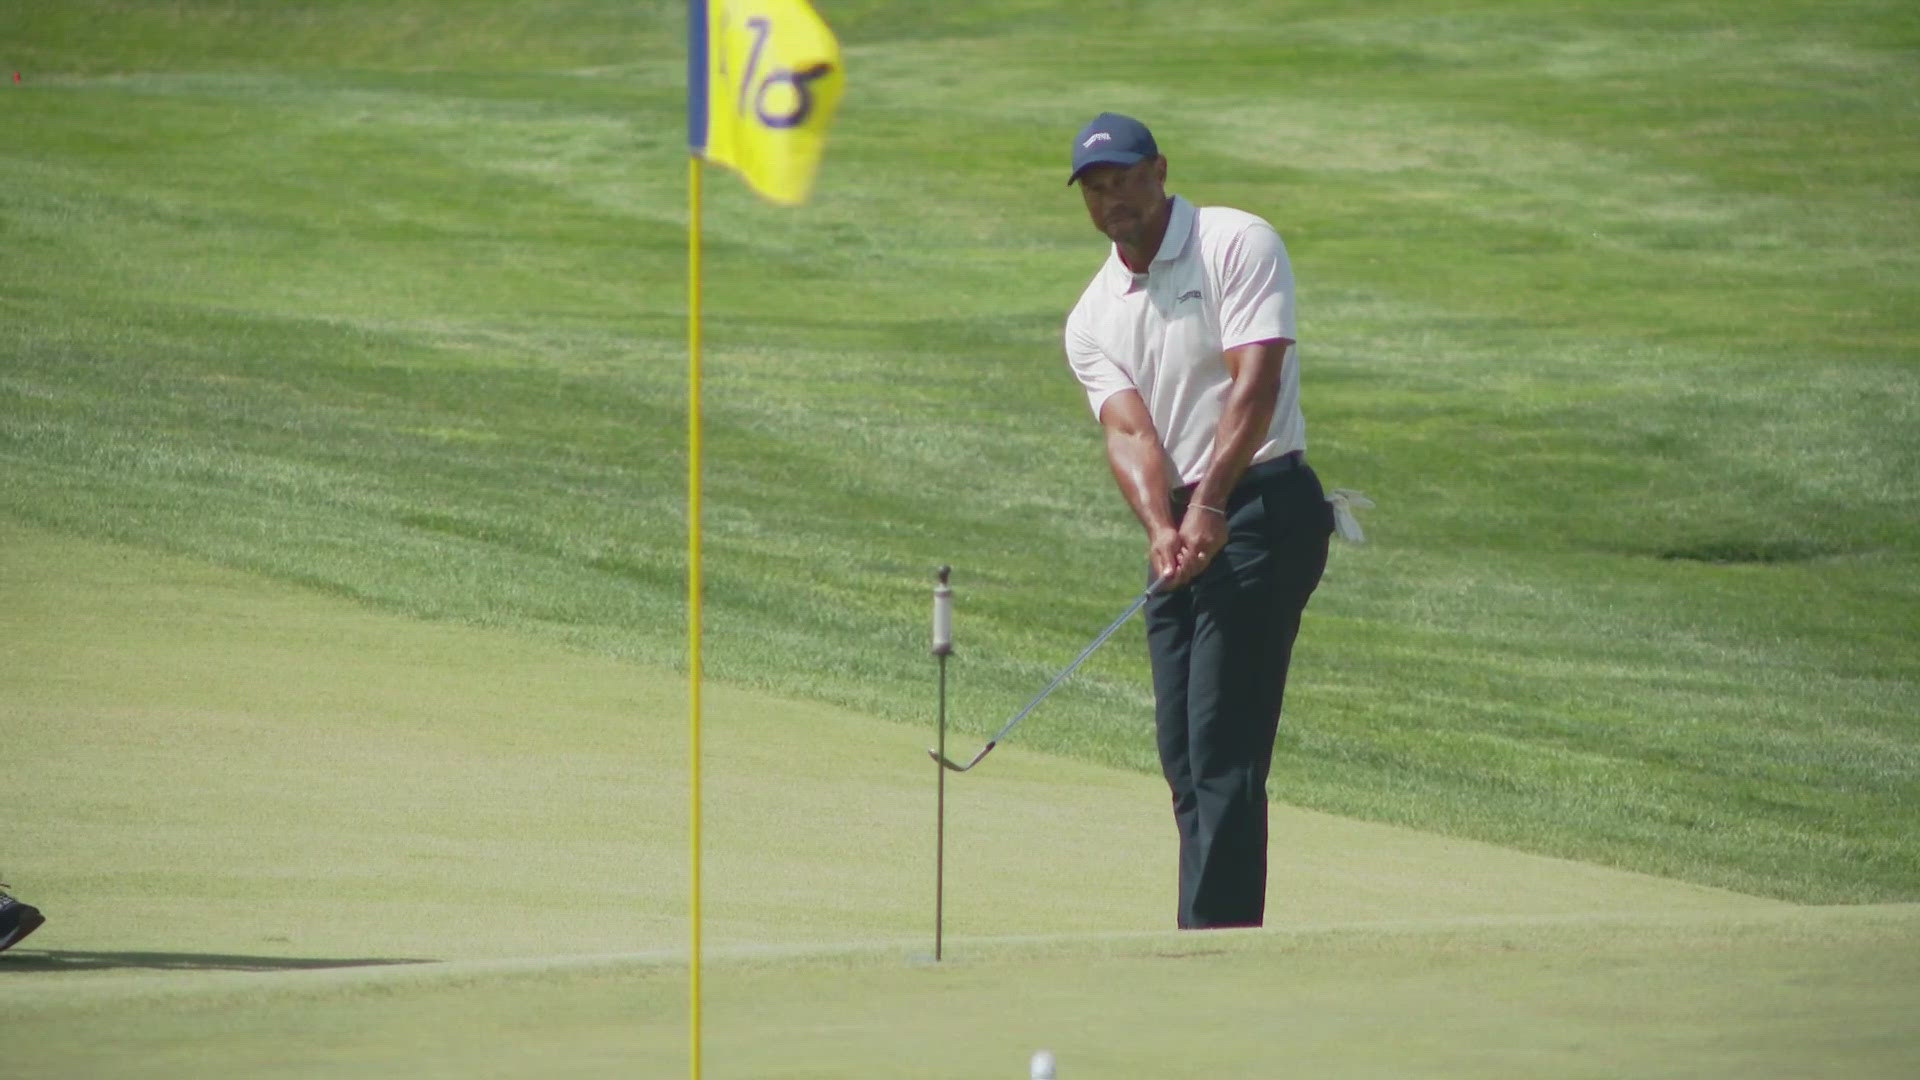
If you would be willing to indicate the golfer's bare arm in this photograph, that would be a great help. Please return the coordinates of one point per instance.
(1140, 469)
(1255, 371)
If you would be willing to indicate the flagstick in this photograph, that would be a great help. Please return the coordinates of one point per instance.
(804, 61)
(693, 596)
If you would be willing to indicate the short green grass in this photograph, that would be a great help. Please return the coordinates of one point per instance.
(1769, 997)
(1610, 307)
(280, 834)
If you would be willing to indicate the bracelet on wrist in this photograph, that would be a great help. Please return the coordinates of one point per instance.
(1221, 510)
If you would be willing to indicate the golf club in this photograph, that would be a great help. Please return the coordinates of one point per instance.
(1138, 602)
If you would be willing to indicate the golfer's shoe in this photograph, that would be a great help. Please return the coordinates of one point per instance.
(17, 920)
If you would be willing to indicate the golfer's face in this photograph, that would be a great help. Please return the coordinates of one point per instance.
(1122, 199)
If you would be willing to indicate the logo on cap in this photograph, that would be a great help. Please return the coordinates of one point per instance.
(1111, 139)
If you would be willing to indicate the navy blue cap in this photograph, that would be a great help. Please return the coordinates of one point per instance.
(1112, 139)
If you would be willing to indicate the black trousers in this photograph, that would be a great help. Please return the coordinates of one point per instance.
(1220, 649)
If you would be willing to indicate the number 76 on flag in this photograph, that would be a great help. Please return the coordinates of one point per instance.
(763, 80)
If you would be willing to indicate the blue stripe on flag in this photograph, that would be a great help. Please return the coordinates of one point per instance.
(697, 76)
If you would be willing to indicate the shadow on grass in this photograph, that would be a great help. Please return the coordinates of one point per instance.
(1763, 552)
(62, 960)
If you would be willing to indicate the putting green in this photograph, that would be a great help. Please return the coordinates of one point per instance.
(246, 806)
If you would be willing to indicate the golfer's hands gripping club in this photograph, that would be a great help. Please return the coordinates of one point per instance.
(1178, 555)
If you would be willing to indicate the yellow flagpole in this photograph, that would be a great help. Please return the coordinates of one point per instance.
(693, 596)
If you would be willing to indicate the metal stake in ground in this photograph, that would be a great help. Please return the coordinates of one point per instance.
(942, 648)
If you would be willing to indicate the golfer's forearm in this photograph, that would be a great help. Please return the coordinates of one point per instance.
(1245, 418)
(1243, 427)
(1140, 471)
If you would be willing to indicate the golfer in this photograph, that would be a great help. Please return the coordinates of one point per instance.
(1184, 341)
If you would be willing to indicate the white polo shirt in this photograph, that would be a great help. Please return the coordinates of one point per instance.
(1220, 280)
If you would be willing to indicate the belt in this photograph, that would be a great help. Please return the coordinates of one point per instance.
(1264, 470)
(1275, 466)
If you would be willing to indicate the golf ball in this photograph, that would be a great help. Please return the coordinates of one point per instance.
(1042, 1065)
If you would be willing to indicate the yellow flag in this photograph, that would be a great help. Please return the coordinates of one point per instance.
(763, 80)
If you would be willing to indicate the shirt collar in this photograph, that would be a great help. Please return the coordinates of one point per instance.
(1179, 229)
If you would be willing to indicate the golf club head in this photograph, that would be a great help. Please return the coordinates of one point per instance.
(947, 763)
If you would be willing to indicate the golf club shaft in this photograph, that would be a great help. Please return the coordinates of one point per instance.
(1139, 602)
(1112, 628)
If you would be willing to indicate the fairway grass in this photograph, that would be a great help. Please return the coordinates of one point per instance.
(218, 760)
(282, 834)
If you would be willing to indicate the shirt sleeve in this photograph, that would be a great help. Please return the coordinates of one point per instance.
(1256, 288)
(1098, 374)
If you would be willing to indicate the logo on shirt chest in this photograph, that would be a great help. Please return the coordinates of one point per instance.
(1190, 294)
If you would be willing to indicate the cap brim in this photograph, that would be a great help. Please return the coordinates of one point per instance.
(1110, 158)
